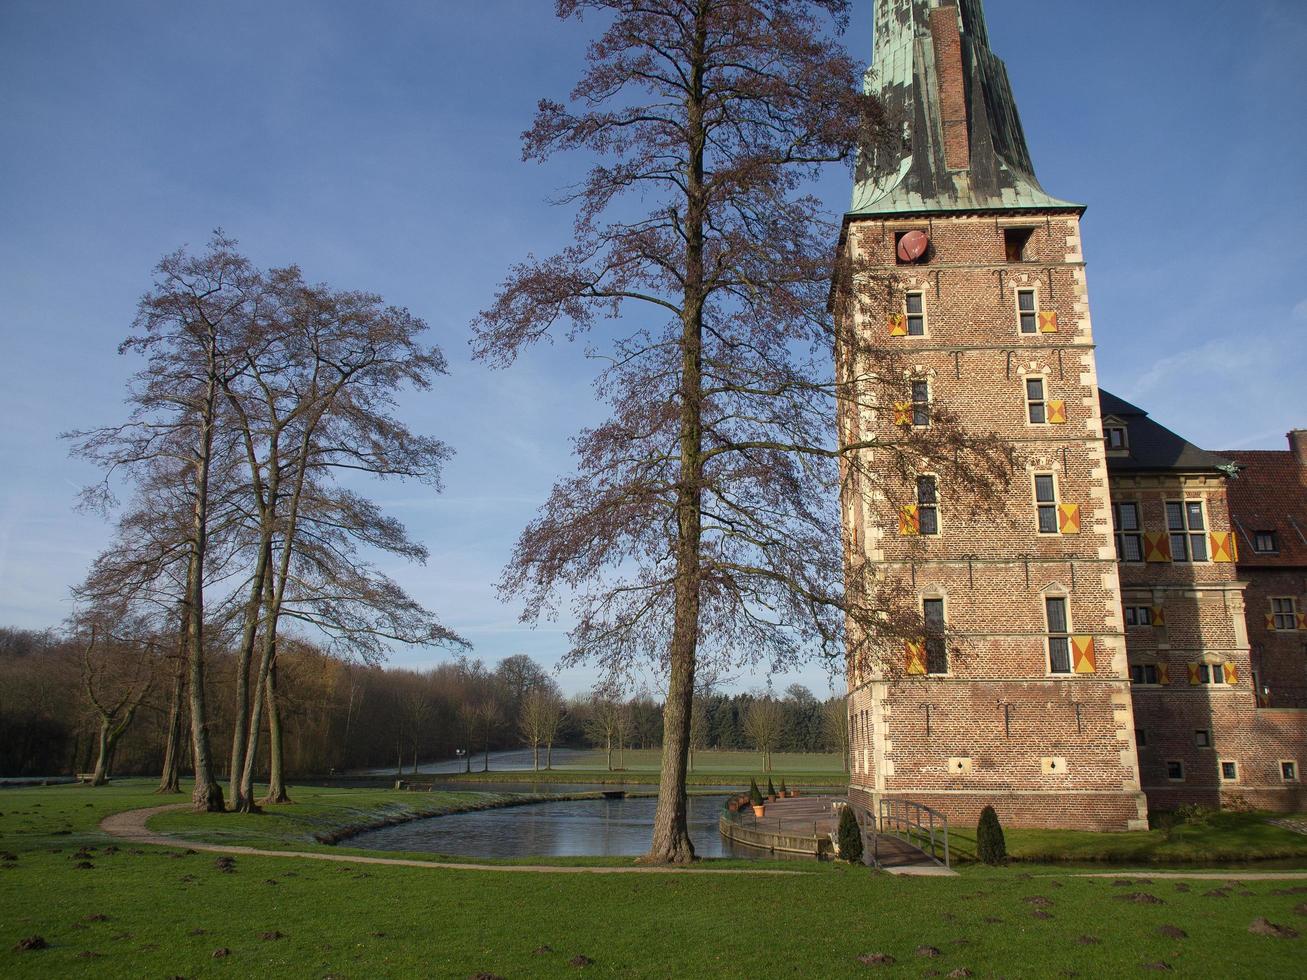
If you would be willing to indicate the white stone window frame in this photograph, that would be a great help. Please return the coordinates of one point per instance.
(1057, 591)
(1174, 762)
(1155, 664)
(1017, 289)
(1297, 772)
(939, 595)
(1049, 471)
(1188, 532)
(1147, 616)
(910, 290)
(1203, 738)
(936, 506)
(1042, 376)
(1220, 770)
(927, 378)
(1119, 534)
(1215, 677)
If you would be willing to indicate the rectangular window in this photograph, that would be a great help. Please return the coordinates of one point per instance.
(1036, 407)
(1211, 674)
(1141, 737)
(1289, 772)
(1059, 638)
(1229, 771)
(936, 645)
(1265, 543)
(1046, 502)
(1175, 771)
(1184, 519)
(920, 403)
(1115, 437)
(927, 505)
(1203, 738)
(1026, 311)
(1143, 673)
(1129, 539)
(1139, 615)
(1285, 613)
(916, 310)
(1015, 241)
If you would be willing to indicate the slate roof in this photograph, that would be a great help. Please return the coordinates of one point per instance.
(1270, 495)
(1152, 446)
(910, 176)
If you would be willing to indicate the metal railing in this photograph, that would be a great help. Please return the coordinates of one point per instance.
(804, 827)
(916, 825)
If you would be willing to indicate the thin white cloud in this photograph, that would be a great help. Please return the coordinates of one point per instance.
(1300, 311)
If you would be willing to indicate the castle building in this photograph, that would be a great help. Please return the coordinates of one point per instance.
(1087, 652)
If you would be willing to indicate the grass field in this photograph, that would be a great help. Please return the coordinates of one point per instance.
(158, 911)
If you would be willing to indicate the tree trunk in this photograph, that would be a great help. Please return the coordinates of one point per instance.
(535, 755)
(549, 755)
(207, 793)
(101, 775)
(486, 766)
(610, 754)
(276, 759)
(170, 777)
(244, 655)
(671, 834)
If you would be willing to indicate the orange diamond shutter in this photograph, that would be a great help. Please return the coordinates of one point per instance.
(1270, 622)
(1159, 616)
(1302, 621)
(1083, 655)
(914, 656)
(1048, 321)
(1057, 413)
(1231, 674)
(902, 413)
(1164, 673)
(1068, 518)
(1194, 677)
(1222, 547)
(1157, 548)
(898, 325)
(909, 521)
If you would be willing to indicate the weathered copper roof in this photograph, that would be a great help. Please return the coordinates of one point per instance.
(913, 177)
(1152, 446)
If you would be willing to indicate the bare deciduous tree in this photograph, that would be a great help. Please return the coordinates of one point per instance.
(702, 524)
(116, 677)
(763, 723)
(835, 727)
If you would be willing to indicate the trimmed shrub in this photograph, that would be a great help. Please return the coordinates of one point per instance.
(784, 789)
(990, 844)
(850, 836)
(771, 787)
(755, 797)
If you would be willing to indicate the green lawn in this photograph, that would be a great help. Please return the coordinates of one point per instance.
(161, 912)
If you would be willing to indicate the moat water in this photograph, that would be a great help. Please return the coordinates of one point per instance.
(557, 828)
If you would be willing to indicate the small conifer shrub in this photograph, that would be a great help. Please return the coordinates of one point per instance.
(755, 796)
(771, 788)
(784, 789)
(850, 836)
(991, 848)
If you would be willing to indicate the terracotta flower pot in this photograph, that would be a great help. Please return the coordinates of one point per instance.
(758, 811)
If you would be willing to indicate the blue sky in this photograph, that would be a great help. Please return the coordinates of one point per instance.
(377, 145)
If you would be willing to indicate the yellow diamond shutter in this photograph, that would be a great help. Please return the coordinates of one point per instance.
(909, 520)
(1048, 321)
(1159, 616)
(1164, 673)
(1194, 678)
(902, 413)
(1057, 413)
(1083, 655)
(1068, 518)
(898, 325)
(914, 656)
(1270, 622)
(1223, 547)
(1231, 674)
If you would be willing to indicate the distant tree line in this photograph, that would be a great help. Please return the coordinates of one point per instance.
(337, 715)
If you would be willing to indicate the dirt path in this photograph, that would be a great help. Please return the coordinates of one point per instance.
(1197, 875)
(131, 826)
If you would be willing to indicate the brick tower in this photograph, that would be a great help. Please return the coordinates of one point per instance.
(1027, 704)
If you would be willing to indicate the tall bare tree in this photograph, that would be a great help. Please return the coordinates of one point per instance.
(702, 524)
(603, 723)
(835, 727)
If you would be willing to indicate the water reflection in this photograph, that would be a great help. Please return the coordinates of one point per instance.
(578, 828)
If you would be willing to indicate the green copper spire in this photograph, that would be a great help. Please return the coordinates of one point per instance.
(963, 147)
